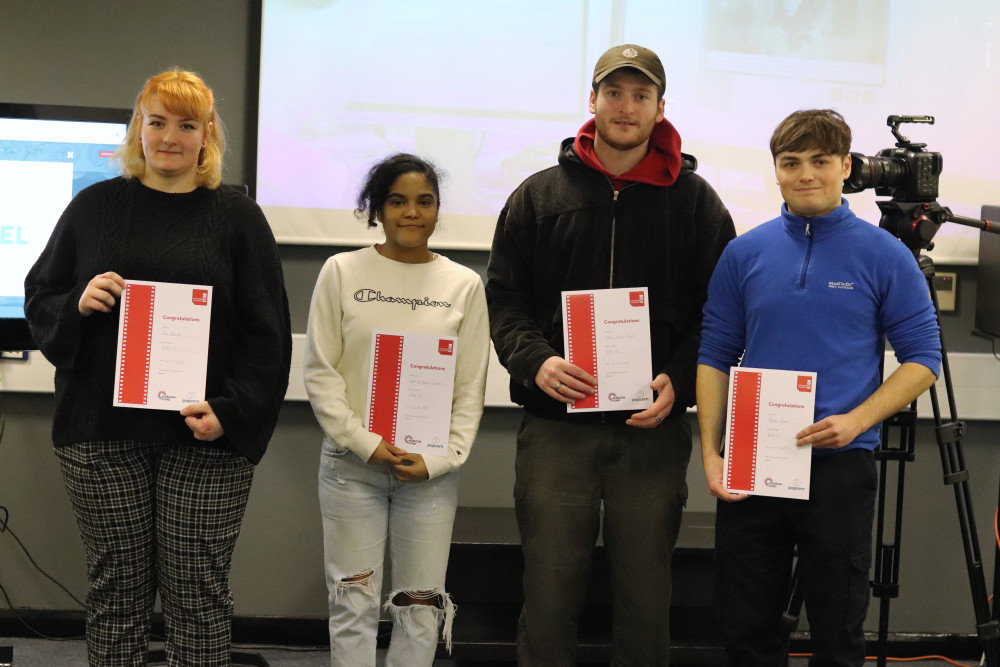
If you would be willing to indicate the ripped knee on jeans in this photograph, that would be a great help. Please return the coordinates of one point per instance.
(403, 604)
(363, 578)
(426, 598)
(359, 582)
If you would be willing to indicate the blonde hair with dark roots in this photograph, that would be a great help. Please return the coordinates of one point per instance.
(185, 94)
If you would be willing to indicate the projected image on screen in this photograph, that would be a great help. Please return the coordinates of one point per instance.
(837, 40)
(489, 89)
(43, 164)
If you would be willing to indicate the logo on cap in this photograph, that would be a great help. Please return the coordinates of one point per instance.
(630, 52)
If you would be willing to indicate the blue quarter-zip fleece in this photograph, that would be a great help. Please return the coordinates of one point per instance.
(820, 294)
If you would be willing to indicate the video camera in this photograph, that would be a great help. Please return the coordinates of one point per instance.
(906, 172)
(909, 175)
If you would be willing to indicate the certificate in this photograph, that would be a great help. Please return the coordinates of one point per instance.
(410, 390)
(766, 409)
(162, 345)
(606, 333)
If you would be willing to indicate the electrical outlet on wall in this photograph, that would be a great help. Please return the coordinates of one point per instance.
(946, 286)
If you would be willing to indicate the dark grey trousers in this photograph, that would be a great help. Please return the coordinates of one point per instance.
(565, 472)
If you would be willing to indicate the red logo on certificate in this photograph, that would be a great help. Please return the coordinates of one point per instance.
(805, 383)
(199, 297)
(637, 299)
(446, 347)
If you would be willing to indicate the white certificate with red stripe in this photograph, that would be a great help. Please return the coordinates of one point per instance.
(410, 390)
(162, 345)
(767, 408)
(606, 333)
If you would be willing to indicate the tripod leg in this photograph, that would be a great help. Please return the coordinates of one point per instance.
(885, 584)
(949, 439)
(790, 619)
(957, 475)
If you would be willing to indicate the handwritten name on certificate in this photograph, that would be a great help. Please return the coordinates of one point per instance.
(410, 390)
(766, 409)
(162, 359)
(606, 333)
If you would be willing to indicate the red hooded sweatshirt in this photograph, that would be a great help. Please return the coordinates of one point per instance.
(662, 163)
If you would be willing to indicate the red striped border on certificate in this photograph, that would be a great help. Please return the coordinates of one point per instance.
(744, 415)
(386, 373)
(581, 333)
(137, 333)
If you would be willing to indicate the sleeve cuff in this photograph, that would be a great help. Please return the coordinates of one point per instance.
(437, 466)
(364, 443)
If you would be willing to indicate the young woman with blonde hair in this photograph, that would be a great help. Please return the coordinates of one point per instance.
(159, 495)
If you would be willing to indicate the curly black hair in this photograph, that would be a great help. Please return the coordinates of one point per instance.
(375, 190)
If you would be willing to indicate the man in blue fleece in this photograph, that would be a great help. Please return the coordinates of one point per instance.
(816, 289)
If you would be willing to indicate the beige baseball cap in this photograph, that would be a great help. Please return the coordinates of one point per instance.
(630, 55)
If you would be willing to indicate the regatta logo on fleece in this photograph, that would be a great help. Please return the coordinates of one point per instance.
(839, 284)
(369, 295)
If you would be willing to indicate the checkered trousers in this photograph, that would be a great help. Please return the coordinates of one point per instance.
(157, 517)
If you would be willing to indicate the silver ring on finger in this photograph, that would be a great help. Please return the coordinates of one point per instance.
(556, 388)
(658, 419)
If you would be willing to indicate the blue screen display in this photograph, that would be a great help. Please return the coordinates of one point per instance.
(43, 165)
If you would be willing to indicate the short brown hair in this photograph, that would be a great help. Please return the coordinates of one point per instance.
(184, 93)
(824, 129)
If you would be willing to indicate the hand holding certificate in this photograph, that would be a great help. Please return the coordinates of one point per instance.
(411, 387)
(163, 329)
(767, 408)
(606, 334)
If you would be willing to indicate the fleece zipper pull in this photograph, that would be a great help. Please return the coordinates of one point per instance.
(808, 256)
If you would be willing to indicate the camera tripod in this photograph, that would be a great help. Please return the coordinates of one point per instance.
(915, 224)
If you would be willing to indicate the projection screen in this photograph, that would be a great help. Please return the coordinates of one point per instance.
(488, 89)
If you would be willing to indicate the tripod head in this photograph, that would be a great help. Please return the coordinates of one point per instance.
(916, 223)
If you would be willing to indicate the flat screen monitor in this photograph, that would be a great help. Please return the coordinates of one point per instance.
(47, 154)
(988, 277)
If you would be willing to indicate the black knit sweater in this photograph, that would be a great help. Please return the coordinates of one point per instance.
(208, 237)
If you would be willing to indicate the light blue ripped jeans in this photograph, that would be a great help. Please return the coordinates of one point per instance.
(363, 506)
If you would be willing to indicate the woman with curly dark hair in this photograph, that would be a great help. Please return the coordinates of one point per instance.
(372, 491)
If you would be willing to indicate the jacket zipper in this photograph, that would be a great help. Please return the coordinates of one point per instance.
(805, 262)
(614, 220)
(611, 271)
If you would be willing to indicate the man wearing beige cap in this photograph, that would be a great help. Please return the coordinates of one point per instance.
(623, 209)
